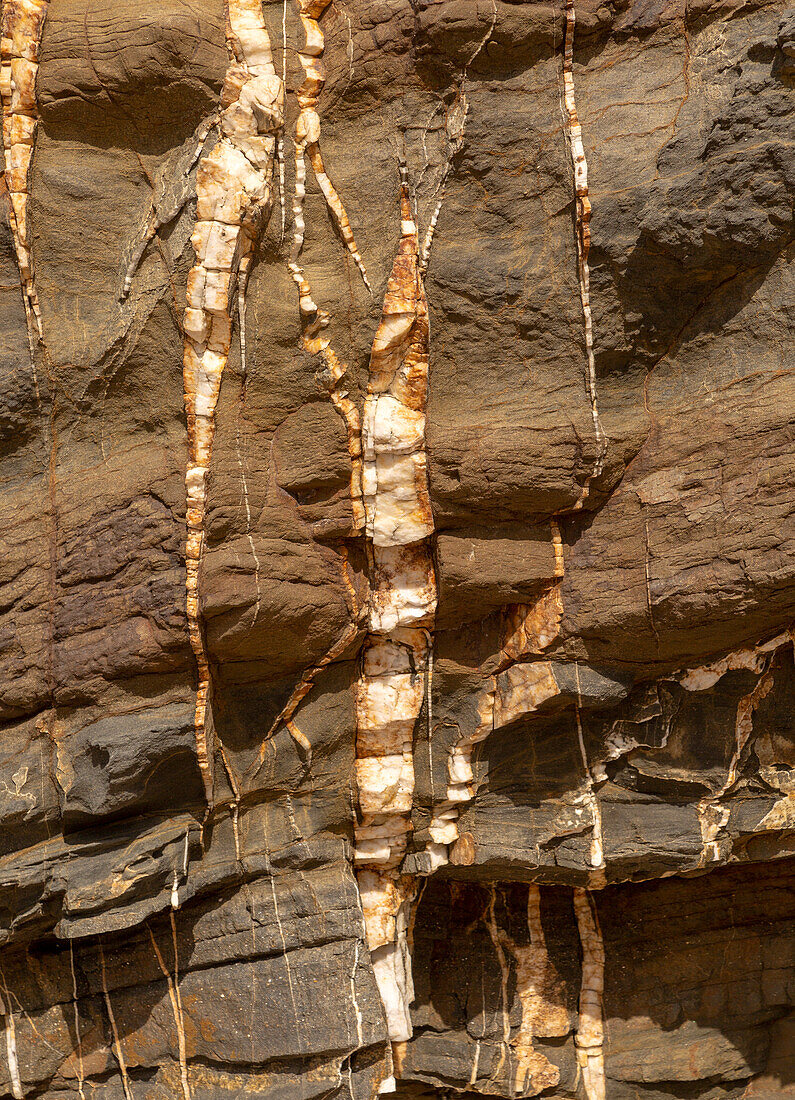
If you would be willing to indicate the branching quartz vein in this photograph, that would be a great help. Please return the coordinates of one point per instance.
(390, 691)
(234, 200)
(713, 815)
(157, 217)
(307, 142)
(541, 996)
(22, 26)
(314, 320)
(583, 233)
(533, 628)
(316, 343)
(589, 1037)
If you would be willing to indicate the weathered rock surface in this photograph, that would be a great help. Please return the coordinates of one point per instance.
(578, 610)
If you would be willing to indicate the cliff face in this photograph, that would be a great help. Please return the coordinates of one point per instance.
(397, 561)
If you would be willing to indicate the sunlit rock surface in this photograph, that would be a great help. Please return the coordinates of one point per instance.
(402, 700)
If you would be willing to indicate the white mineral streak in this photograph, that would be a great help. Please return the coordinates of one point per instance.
(22, 25)
(390, 691)
(541, 996)
(118, 1052)
(596, 875)
(155, 220)
(81, 1077)
(313, 319)
(11, 1043)
(583, 234)
(304, 686)
(589, 1037)
(307, 141)
(172, 984)
(514, 691)
(234, 199)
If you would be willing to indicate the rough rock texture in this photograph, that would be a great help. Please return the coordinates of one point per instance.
(513, 464)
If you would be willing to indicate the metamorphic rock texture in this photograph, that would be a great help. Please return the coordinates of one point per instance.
(397, 557)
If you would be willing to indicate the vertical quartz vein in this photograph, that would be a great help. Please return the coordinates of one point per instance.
(17, 1091)
(234, 199)
(583, 234)
(313, 319)
(336, 372)
(589, 1037)
(307, 141)
(395, 661)
(22, 26)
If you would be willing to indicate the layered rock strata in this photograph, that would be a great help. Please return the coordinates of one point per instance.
(401, 595)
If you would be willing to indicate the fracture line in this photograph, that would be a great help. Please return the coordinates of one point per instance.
(589, 1037)
(583, 233)
(455, 136)
(80, 1070)
(125, 1080)
(176, 1006)
(11, 1044)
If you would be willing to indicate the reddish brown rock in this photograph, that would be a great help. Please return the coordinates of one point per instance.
(491, 582)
